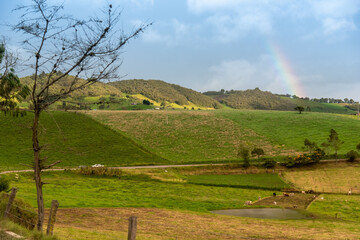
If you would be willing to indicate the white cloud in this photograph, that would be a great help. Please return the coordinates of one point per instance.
(332, 25)
(242, 74)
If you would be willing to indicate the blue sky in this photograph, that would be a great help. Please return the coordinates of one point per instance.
(303, 47)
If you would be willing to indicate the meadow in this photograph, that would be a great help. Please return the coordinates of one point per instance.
(97, 207)
(75, 139)
(250, 181)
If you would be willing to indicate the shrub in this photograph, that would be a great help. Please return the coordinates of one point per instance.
(244, 154)
(257, 152)
(352, 155)
(305, 159)
(4, 183)
(270, 163)
(101, 171)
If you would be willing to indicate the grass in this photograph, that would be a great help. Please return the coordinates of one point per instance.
(287, 130)
(252, 181)
(93, 207)
(75, 139)
(345, 207)
(182, 136)
(335, 178)
(74, 190)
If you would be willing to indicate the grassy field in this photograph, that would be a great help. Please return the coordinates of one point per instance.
(93, 207)
(287, 130)
(338, 178)
(75, 139)
(253, 181)
(183, 136)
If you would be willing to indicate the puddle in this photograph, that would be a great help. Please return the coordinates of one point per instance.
(271, 213)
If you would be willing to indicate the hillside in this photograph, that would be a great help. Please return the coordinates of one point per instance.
(161, 91)
(75, 139)
(263, 100)
(213, 136)
(97, 89)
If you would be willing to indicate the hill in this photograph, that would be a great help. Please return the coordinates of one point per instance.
(215, 136)
(75, 139)
(264, 100)
(161, 91)
(97, 89)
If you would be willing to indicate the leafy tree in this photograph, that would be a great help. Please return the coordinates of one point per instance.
(310, 146)
(244, 154)
(358, 147)
(300, 109)
(334, 142)
(11, 90)
(257, 152)
(61, 46)
(270, 163)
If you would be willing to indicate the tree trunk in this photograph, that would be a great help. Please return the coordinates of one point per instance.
(37, 170)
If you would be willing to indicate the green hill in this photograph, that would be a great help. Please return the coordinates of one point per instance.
(160, 91)
(215, 136)
(75, 139)
(264, 100)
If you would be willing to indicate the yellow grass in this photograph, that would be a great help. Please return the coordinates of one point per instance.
(106, 224)
(337, 179)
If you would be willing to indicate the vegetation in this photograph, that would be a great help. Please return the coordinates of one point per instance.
(250, 181)
(4, 183)
(300, 109)
(352, 155)
(160, 91)
(305, 159)
(64, 134)
(286, 130)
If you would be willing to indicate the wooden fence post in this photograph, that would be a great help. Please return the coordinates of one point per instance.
(11, 200)
(52, 217)
(132, 228)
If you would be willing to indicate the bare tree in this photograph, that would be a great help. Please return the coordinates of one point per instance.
(78, 52)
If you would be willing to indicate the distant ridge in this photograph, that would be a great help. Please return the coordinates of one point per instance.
(161, 91)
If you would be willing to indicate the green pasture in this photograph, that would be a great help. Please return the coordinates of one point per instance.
(346, 207)
(73, 190)
(287, 130)
(251, 181)
(74, 139)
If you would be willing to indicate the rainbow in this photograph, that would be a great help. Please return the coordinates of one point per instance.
(286, 71)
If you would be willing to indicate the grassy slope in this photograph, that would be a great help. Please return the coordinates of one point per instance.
(75, 139)
(183, 136)
(289, 129)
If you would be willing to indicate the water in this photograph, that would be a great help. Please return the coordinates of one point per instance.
(271, 213)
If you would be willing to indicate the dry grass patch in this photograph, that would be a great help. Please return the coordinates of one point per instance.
(105, 223)
(330, 178)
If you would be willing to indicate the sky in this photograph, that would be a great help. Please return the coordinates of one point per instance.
(308, 48)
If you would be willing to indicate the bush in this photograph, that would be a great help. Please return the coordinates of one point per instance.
(101, 171)
(352, 155)
(4, 183)
(305, 159)
(269, 163)
(244, 153)
(257, 152)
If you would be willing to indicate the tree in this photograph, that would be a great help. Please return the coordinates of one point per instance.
(334, 142)
(243, 153)
(300, 109)
(258, 152)
(310, 146)
(358, 147)
(11, 90)
(89, 50)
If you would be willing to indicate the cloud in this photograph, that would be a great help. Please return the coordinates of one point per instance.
(233, 19)
(242, 74)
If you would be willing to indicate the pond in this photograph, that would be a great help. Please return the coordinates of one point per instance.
(271, 213)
